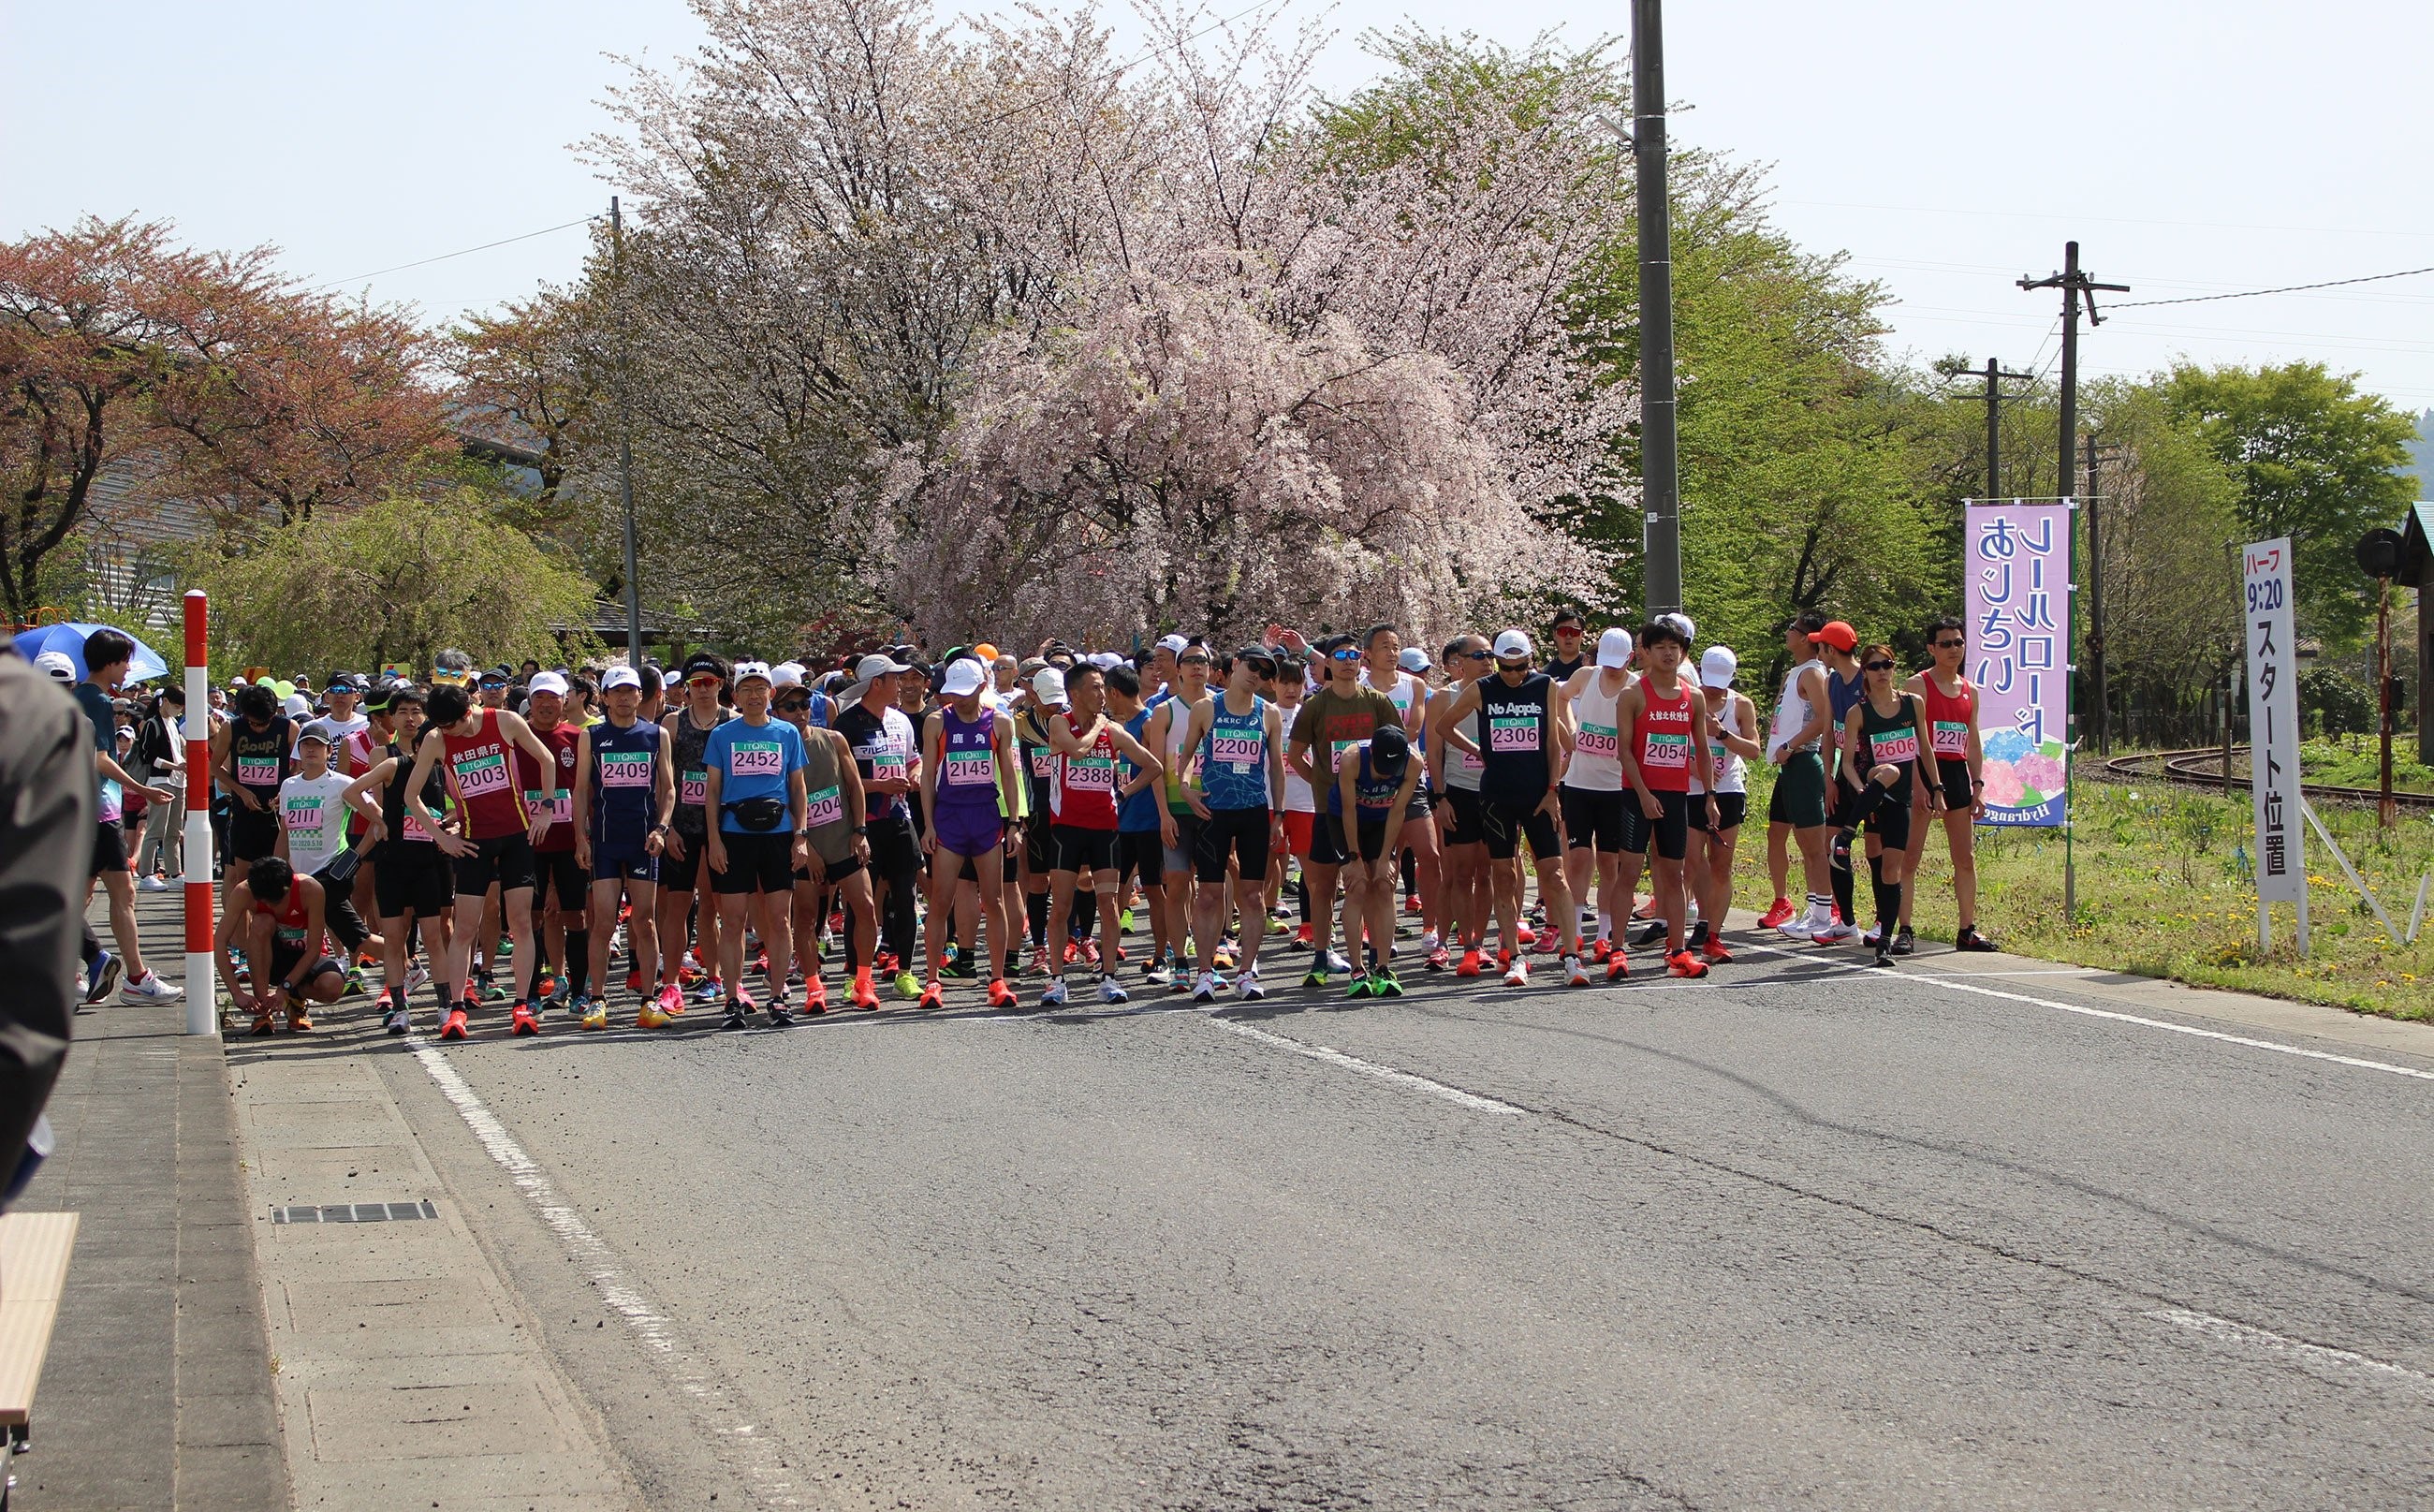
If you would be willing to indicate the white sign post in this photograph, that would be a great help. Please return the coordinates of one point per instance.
(2274, 736)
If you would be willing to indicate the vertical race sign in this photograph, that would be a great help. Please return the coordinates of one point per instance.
(2273, 724)
(2017, 561)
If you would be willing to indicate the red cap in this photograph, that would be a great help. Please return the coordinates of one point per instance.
(1837, 635)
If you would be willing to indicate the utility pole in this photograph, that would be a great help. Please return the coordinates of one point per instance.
(2096, 594)
(2073, 282)
(1659, 468)
(625, 436)
(1995, 374)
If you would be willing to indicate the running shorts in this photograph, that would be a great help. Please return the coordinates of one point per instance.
(761, 862)
(1889, 820)
(682, 873)
(1140, 853)
(1462, 817)
(555, 874)
(1232, 834)
(1799, 795)
(109, 848)
(1365, 838)
(1079, 850)
(1957, 795)
(966, 835)
(1731, 808)
(1327, 848)
(1298, 823)
(283, 957)
(1600, 819)
(251, 835)
(1179, 856)
(1418, 807)
(504, 860)
(1670, 828)
(833, 873)
(1039, 846)
(412, 875)
(624, 863)
(1505, 824)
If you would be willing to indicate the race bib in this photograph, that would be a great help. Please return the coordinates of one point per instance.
(827, 806)
(1336, 753)
(1665, 750)
(1895, 745)
(626, 769)
(1468, 760)
(414, 829)
(1091, 774)
(1043, 765)
(288, 935)
(756, 758)
(695, 787)
(304, 820)
(1598, 740)
(479, 775)
(561, 812)
(887, 764)
(1951, 738)
(257, 772)
(1514, 734)
(1239, 754)
(970, 769)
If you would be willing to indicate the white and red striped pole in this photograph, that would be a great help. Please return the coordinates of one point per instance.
(202, 978)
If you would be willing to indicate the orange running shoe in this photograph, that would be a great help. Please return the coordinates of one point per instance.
(265, 1025)
(1470, 963)
(1684, 964)
(931, 996)
(865, 996)
(1617, 965)
(521, 1021)
(816, 995)
(1714, 950)
(1000, 995)
(455, 1028)
(1774, 916)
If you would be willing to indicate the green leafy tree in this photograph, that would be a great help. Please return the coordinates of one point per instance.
(2316, 460)
(396, 581)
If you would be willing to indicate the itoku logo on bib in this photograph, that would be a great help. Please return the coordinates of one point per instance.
(695, 787)
(257, 772)
(1091, 774)
(827, 806)
(560, 812)
(1895, 745)
(1598, 740)
(480, 773)
(970, 769)
(756, 758)
(1514, 735)
(1952, 739)
(626, 769)
(1668, 750)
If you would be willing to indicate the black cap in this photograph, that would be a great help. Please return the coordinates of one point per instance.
(1258, 654)
(346, 682)
(1389, 748)
(701, 662)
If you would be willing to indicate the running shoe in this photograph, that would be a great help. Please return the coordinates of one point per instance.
(1438, 959)
(931, 995)
(265, 1025)
(1223, 955)
(102, 978)
(1682, 963)
(521, 1021)
(1576, 971)
(1302, 938)
(355, 982)
(1040, 961)
(651, 1015)
(1870, 938)
(1090, 953)
(1158, 974)
(908, 987)
(546, 987)
(1882, 957)
(1525, 933)
(1072, 951)
(152, 884)
(780, 1016)
(1055, 997)
(1837, 932)
(398, 1021)
(1411, 903)
(1361, 985)
(634, 980)
(1317, 978)
(1713, 951)
(1799, 926)
(816, 997)
(963, 968)
(1335, 963)
(1969, 939)
(1000, 995)
(1599, 950)
(1385, 983)
(1546, 942)
(1646, 910)
(454, 1028)
(883, 964)
(1519, 974)
(1471, 963)
(1617, 965)
(1777, 913)
(417, 975)
(1246, 986)
(1111, 990)
(149, 989)
(1904, 941)
(865, 996)
(1124, 920)
(1651, 934)
(734, 1020)
(593, 1013)
(1204, 987)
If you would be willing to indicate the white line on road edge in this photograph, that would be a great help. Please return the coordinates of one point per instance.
(589, 1250)
(1370, 1068)
(2225, 1329)
(1938, 979)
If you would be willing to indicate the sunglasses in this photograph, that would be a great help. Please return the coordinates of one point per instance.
(1879, 666)
(1481, 656)
(1570, 629)
(705, 680)
(493, 682)
(1950, 645)
(793, 705)
(1192, 661)
(1347, 654)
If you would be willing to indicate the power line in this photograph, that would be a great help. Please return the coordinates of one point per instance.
(464, 252)
(2288, 288)
(2114, 220)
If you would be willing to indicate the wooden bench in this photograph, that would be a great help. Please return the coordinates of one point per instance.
(33, 1268)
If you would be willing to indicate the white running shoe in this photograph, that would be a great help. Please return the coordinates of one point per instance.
(151, 989)
(1519, 974)
(151, 885)
(1799, 926)
(1248, 985)
(1575, 973)
(1110, 991)
(1430, 943)
(1833, 933)
(416, 974)
(1204, 987)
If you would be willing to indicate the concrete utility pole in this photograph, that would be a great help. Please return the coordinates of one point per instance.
(625, 441)
(1659, 469)
(2096, 592)
(1995, 373)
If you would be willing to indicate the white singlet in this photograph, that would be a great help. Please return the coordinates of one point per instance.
(1597, 749)
(1791, 710)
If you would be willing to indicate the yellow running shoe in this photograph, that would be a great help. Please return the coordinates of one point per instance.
(651, 1015)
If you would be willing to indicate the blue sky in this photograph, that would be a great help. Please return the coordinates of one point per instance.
(1948, 147)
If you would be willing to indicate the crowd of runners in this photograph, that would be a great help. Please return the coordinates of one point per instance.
(943, 829)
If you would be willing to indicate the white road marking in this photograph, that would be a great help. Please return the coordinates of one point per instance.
(1950, 984)
(589, 1250)
(2232, 1333)
(1369, 1068)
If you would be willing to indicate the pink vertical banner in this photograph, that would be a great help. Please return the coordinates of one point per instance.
(2015, 565)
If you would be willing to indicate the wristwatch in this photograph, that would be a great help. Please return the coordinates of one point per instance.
(861, 829)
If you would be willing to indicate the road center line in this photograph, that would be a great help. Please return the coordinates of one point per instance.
(1369, 1068)
(599, 1262)
(2230, 1332)
(1949, 985)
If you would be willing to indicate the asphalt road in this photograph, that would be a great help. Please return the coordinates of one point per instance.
(1801, 1236)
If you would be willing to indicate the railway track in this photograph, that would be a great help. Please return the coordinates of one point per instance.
(2203, 768)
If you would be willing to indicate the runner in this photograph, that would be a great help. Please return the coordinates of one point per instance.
(1521, 764)
(968, 771)
(471, 745)
(1237, 744)
(684, 889)
(1837, 644)
(886, 751)
(753, 766)
(1301, 805)
(1570, 644)
(1083, 796)
(1880, 756)
(1732, 722)
(1383, 667)
(1140, 847)
(1668, 734)
(1468, 659)
(413, 884)
(251, 756)
(279, 918)
(1368, 808)
(562, 890)
(1046, 694)
(838, 862)
(1952, 715)
(1169, 733)
(1795, 811)
(1337, 717)
(108, 654)
(625, 800)
(1601, 824)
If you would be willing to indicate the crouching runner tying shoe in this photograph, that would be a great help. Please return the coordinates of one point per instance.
(277, 918)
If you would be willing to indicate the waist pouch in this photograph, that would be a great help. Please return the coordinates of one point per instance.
(758, 814)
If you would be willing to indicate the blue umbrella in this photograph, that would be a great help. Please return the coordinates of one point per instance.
(143, 668)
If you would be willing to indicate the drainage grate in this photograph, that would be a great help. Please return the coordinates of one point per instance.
(355, 1213)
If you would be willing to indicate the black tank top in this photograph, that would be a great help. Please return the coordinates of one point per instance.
(692, 781)
(434, 797)
(1890, 740)
(1514, 734)
(261, 760)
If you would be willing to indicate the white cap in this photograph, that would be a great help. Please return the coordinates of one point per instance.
(299, 707)
(1512, 645)
(1171, 643)
(620, 678)
(753, 669)
(963, 678)
(1049, 687)
(875, 665)
(547, 683)
(1614, 648)
(1109, 661)
(1716, 668)
(786, 674)
(1413, 660)
(58, 664)
(127, 731)
(1680, 622)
